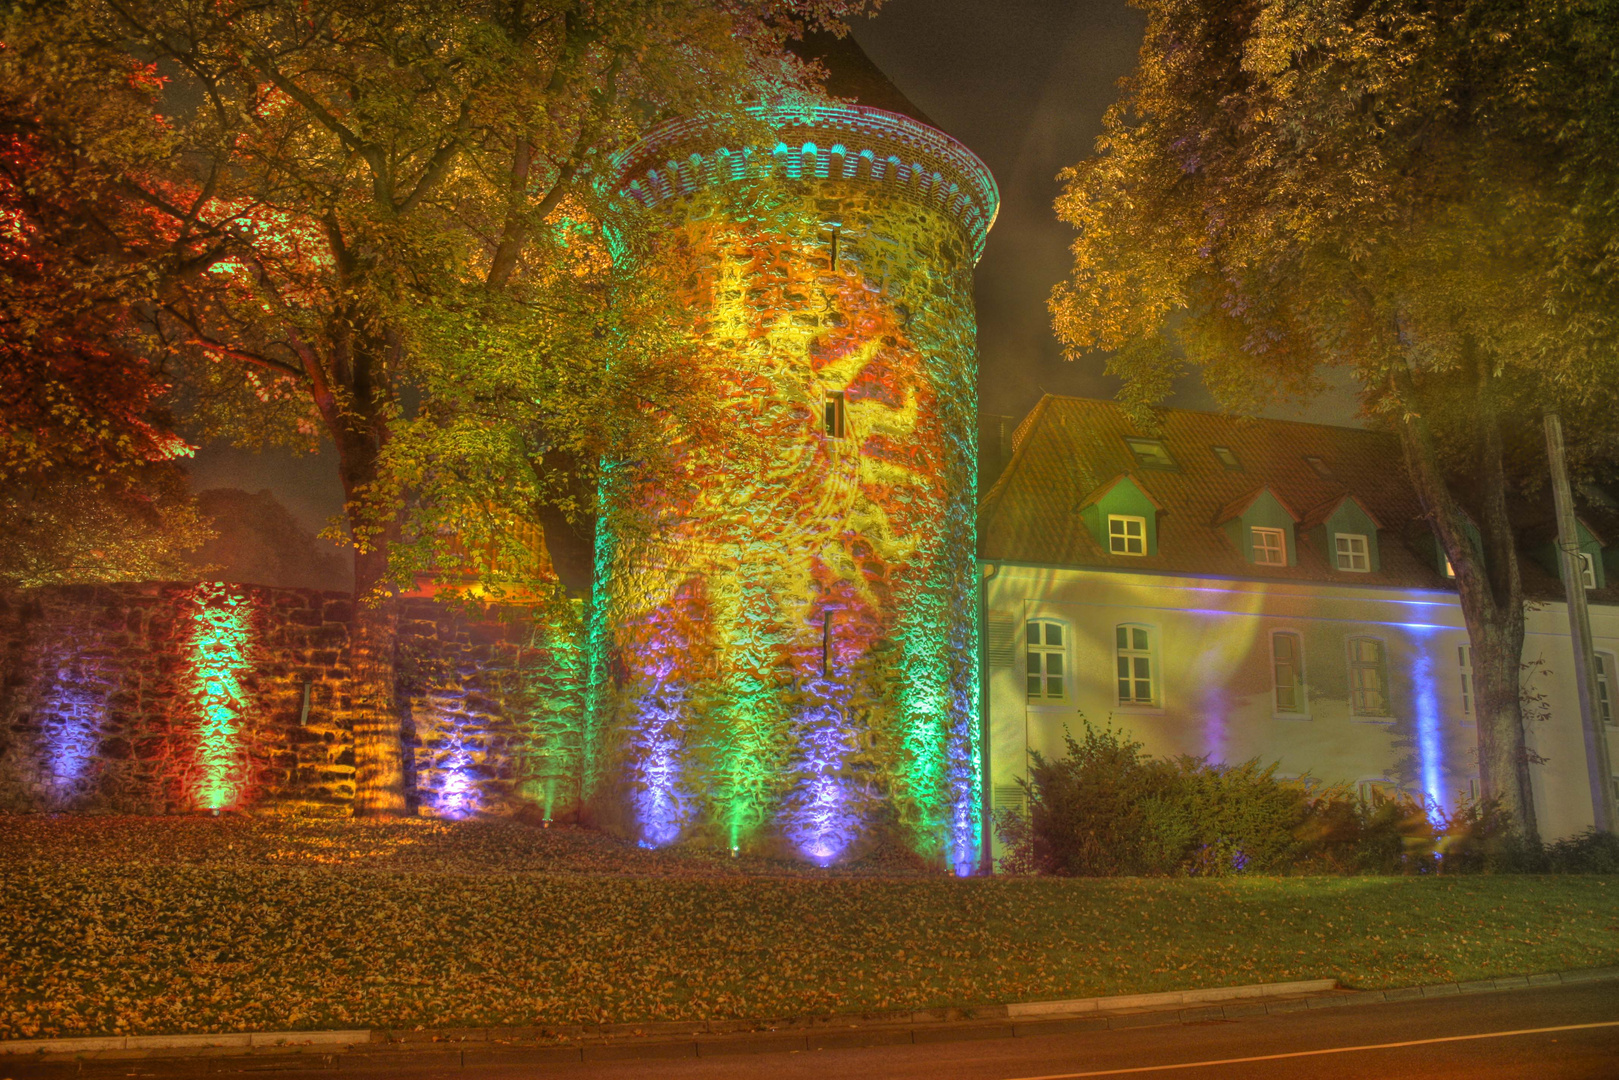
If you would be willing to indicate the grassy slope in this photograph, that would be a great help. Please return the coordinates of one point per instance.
(194, 925)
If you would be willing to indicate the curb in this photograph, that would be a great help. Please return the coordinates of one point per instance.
(608, 1042)
(1079, 1006)
(235, 1039)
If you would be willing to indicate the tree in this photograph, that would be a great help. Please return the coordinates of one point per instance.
(382, 225)
(90, 489)
(1422, 194)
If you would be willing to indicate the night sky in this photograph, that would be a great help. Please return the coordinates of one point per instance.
(1024, 84)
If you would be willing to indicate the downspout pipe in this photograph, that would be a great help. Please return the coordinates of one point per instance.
(987, 570)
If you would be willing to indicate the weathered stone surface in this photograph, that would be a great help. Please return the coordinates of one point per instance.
(129, 699)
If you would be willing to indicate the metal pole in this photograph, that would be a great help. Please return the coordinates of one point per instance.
(1579, 627)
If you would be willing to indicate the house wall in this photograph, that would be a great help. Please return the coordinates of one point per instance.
(1213, 655)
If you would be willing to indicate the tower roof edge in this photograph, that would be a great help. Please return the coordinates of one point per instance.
(808, 142)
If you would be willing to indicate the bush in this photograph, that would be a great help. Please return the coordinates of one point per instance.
(1106, 808)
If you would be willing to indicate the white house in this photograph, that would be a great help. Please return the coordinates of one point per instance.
(1257, 589)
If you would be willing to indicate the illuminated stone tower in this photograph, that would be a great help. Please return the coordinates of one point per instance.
(785, 640)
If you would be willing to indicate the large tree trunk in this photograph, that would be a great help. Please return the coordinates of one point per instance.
(1489, 588)
(360, 429)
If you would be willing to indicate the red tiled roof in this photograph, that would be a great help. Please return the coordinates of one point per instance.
(1239, 506)
(1069, 447)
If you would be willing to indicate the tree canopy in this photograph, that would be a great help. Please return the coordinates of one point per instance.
(382, 223)
(1423, 195)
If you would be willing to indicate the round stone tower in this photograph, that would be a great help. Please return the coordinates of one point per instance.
(785, 638)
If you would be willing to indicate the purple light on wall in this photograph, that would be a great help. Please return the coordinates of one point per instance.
(70, 727)
(966, 791)
(1430, 739)
(661, 807)
(821, 823)
(457, 796)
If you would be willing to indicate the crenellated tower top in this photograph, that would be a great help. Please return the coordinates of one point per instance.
(816, 142)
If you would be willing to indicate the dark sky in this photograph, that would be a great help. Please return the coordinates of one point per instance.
(1024, 84)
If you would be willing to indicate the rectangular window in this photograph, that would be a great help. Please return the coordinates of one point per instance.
(1368, 677)
(1352, 552)
(1126, 535)
(834, 413)
(1227, 458)
(1287, 665)
(1046, 651)
(1588, 570)
(1464, 657)
(1135, 665)
(826, 644)
(1604, 678)
(1475, 789)
(1270, 547)
(1151, 453)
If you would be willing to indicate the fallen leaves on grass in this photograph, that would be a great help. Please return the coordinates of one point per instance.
(189, 925)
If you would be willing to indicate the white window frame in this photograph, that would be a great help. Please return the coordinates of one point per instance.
(1038, 657)
(1381, 667)
(1341, 550)
(1118, 543)
(1301, 706)
(1279, 549)
(1464, 661)
(1588, 569)
(1603, 676)
(1128, 660)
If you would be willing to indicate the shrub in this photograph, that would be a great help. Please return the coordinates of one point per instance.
(1106, 808)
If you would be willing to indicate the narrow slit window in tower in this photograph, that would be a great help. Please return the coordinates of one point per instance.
(826, 644)
(834, 413)
(835, 238)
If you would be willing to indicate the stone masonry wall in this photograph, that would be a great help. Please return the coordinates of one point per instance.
(181, 697)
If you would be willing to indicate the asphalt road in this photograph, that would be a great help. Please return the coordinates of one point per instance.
(1542, 1034)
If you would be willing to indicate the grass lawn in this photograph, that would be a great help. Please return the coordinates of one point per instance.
(119, 925)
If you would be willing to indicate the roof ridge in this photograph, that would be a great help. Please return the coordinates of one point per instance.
(1239, 417)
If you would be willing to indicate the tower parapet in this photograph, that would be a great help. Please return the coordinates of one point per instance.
(818, 142)
(784, 640)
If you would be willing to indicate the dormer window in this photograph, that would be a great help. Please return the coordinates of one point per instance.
(1151, 453)
(1228, 458)
(1122, 518)
(1126, 535)
(832, 412)
(1320, 467)
(1270, 547)
(1353, 553)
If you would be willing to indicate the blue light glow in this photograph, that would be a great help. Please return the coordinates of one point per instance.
(71, 722)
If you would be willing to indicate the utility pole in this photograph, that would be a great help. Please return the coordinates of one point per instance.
(1579, 627)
